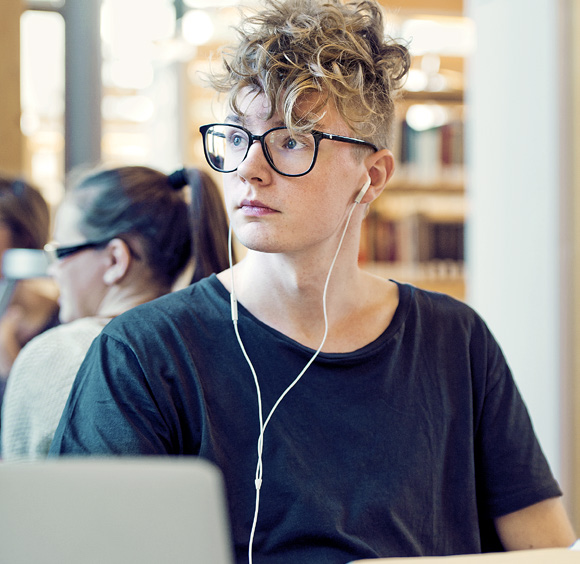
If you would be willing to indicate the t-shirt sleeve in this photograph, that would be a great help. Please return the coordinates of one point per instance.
(512, 471)
(16, 413)
(39, 385)
(112, 409)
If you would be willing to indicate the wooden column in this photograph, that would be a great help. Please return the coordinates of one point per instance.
(574, 67)
(11, 142)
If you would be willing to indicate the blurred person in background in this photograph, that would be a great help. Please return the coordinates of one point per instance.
(123, 236)
(28, 307)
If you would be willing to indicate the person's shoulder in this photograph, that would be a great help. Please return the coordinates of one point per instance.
(430, 298)
(63, 334)
(56, 348)
(204, 299)
(445, 321)
(438, 307)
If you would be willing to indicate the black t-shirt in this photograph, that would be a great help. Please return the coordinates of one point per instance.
(404, 447)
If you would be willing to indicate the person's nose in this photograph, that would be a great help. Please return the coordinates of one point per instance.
(255, 166)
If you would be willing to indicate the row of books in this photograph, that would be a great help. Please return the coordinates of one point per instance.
(431, 155)
(413, 239)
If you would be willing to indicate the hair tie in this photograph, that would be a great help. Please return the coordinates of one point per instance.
(178, 179)
(18, 188)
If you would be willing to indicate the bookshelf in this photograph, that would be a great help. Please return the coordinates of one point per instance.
(415, 231)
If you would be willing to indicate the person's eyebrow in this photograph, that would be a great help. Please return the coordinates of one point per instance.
(237, 119)
(234, 118)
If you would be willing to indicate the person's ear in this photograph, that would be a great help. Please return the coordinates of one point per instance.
(119, 256)
(380, 167)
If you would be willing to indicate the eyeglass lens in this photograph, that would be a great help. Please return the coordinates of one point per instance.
(227, 146)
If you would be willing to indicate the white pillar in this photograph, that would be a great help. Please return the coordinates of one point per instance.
(517, 188)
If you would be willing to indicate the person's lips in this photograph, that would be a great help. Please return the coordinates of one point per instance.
(255, 208)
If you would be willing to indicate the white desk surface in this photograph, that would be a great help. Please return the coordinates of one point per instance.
(539, 556)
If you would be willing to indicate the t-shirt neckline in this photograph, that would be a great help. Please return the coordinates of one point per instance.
(397, 322)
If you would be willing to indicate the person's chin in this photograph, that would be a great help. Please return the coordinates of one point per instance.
(257, 237)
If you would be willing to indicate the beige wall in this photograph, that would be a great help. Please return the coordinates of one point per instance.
(11, 160)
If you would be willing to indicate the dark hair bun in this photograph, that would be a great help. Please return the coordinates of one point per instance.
(178, 179)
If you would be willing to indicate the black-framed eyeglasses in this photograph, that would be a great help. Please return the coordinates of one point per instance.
(55, 252)
(289, 154)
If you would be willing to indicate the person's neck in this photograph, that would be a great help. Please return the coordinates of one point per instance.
(120, 299)
(287, 293)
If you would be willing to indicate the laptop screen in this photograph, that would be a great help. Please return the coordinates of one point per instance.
(114, 510)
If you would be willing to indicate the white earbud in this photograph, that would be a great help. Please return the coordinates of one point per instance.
(363, 191)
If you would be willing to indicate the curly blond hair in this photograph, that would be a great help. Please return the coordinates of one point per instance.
(335, 49)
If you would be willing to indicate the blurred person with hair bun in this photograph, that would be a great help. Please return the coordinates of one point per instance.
(123, 237)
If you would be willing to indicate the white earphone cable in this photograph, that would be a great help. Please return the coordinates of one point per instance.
(263, 425)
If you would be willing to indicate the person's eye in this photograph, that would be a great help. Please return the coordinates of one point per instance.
(290, 143)
(236, 139)
(294, 143)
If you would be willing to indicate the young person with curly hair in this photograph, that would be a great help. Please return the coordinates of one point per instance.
(352, 416)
